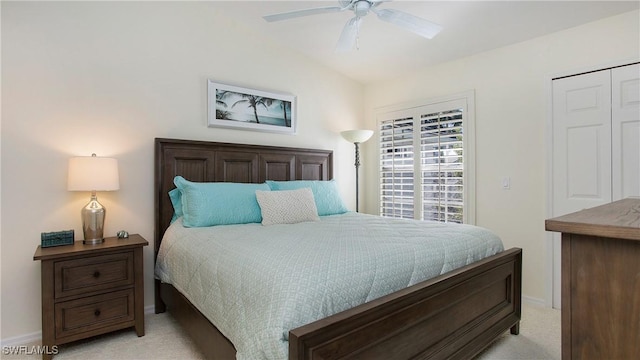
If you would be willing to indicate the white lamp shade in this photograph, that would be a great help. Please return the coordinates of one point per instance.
(92, 173)
(357, 136)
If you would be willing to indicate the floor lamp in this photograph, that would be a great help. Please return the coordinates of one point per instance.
(357, 137)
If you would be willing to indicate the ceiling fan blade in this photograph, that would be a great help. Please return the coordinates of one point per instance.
(299, 13)
(349, 35)
(409, 22)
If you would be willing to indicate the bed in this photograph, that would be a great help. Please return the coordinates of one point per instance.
(454, 315)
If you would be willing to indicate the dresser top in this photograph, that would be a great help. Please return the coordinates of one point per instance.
(619, 219)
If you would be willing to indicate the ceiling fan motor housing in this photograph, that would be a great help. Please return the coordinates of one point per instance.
(361, 8)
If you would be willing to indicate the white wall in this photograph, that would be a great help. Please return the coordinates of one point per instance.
(511, 87)
(83, 77)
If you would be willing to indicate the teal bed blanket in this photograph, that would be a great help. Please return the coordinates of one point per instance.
(255, 283)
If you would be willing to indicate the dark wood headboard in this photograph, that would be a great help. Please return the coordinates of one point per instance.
(204, 161)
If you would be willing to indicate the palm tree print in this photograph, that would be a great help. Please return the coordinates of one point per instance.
(252, 108)
(253, 102)
(220, 105)
(285, 105)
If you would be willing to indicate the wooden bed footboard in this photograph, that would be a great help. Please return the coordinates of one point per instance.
(454, 316)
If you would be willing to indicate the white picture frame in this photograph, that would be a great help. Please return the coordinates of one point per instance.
(249, 109)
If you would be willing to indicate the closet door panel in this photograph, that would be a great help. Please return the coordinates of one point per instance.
(581, 142)
(625, 129)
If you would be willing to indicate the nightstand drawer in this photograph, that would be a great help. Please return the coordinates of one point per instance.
(85, 275)
(94, 313)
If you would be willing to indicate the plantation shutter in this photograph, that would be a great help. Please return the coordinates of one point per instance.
(441, 146)
(397, 167)
(422, 162)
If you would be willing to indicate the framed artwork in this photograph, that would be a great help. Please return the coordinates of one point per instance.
(248, 109)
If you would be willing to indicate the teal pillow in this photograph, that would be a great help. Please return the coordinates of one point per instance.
(325, 193)
(176, 200)
(218, 203)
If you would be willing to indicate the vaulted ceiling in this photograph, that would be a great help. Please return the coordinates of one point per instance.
(386, 51)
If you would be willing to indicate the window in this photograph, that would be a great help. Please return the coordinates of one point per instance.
(426, 161)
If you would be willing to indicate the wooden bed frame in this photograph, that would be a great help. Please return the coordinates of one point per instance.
(455, 315)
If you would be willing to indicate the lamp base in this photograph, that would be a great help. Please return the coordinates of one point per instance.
(93, 221)
(93, 241)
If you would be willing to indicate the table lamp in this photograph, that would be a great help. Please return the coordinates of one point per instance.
(357, 137)
(92, 173)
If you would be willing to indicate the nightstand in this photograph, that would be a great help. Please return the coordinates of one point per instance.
(89, 290)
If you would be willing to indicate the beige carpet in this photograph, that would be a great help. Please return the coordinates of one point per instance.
(539, 339)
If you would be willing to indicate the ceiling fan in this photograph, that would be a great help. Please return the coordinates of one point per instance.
(349, 37)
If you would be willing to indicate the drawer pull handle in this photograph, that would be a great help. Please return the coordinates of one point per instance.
(97, 313)
(96, 274)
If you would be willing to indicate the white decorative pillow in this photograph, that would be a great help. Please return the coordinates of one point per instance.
(287, 206)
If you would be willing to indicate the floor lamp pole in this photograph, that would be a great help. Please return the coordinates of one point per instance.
(357, 164)
(357, 137)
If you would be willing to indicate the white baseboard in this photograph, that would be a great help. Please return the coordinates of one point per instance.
(36, 337)
(20, 340)
(534, 301)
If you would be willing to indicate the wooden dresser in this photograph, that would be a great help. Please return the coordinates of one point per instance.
(600, 281)
(89, 290)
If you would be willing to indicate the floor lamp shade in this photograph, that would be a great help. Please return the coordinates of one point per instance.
(92, 173)
(357, 137)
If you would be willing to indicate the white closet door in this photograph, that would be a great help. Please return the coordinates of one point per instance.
(581, 160)
(596, 144)
(581, 142)
(625, 129)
